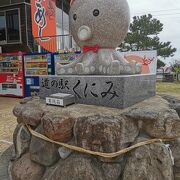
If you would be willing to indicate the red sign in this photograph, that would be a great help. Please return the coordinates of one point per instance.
(11, 75)
(43, 14)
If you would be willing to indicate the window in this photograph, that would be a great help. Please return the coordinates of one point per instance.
(9, 27)
(2, 27)
(12, 24)
(62, 25)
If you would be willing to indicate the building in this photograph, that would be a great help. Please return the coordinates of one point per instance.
(16, 26)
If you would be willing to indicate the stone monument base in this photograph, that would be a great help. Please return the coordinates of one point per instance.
(99, 129)
(112, 91)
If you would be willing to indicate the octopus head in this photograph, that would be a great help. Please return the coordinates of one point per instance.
(102, 22)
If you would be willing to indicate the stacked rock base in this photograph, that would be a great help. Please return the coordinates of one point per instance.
(98, 129)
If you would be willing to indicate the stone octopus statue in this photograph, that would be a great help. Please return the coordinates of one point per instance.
(98, 27)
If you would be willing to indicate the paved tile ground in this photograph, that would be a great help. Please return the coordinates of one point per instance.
(7, 121)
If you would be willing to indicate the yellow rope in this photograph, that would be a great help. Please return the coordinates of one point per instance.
(105, 155)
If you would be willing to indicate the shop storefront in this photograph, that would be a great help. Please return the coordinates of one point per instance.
(40, 30)
(16, 26)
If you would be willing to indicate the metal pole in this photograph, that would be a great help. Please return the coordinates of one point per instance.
(62, 24)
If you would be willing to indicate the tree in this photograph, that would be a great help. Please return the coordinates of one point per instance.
(176, 69)
(143, 35)
(176, 66)
(160, 63)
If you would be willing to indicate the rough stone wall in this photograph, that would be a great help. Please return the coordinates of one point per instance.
(98, 129)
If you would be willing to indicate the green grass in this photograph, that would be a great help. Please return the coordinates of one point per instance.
(168, 88)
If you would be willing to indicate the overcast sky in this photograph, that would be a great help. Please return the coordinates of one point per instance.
(168, 12)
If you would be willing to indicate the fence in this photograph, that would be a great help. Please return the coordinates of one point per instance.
(54, 44)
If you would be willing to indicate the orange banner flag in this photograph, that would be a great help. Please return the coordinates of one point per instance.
(43, 14)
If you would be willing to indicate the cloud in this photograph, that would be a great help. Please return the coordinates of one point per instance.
(162, 10)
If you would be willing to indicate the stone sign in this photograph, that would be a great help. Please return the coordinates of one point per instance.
(113, 91)
(100, 75)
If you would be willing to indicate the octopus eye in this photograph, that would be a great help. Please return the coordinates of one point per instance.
(96, 12)
(75, 17)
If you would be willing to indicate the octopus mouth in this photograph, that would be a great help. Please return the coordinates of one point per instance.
(84, 33)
